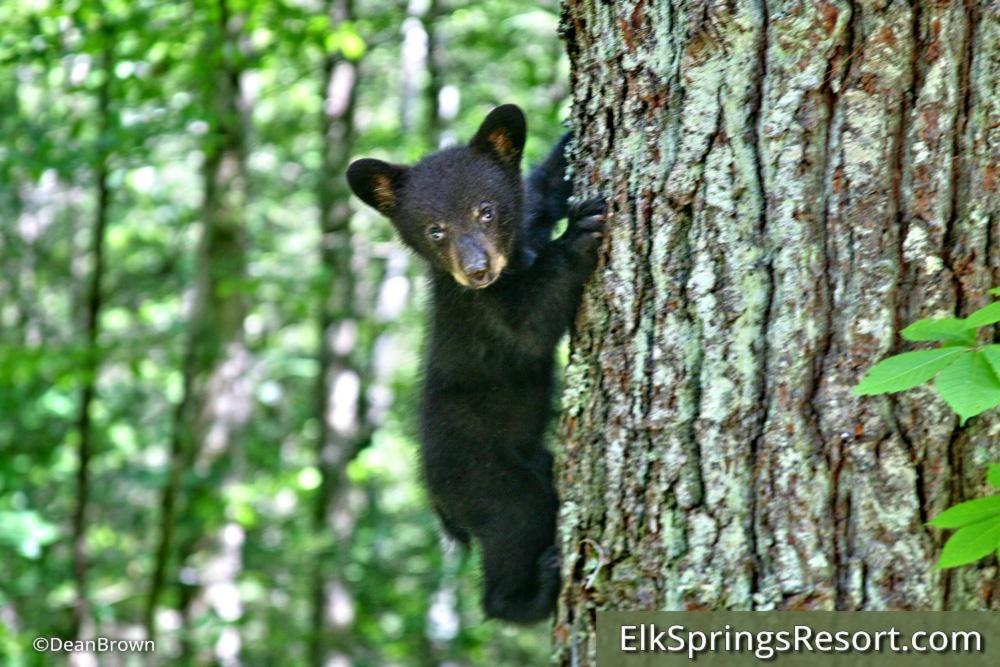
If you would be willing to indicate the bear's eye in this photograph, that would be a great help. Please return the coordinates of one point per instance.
(486, 213)
(435, 232)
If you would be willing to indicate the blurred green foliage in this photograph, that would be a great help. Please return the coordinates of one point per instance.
(412, 599)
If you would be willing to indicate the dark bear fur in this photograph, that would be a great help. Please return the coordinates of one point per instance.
(503, 294)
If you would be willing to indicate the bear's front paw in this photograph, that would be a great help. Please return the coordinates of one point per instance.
(587, 216)
(585, 226)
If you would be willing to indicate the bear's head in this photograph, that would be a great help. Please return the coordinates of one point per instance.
(459, 208)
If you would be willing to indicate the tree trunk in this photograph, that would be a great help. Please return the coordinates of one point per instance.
(93, 304)
(789, 184)
(435, 121)
(215, 403)
(341, 381)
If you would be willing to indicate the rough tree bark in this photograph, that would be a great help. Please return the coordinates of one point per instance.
(789, 184)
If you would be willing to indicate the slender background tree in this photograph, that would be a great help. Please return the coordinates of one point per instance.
(214, 405)
(93, 303)
(344, 376)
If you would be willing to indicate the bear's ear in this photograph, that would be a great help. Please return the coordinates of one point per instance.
(377, 183)
(501, 136)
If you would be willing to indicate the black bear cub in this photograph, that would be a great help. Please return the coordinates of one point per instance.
(503, 293)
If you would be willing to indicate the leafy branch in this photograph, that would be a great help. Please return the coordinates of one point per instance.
(977, 523)
(966, 376)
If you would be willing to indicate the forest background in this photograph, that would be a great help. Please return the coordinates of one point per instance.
(207, 350)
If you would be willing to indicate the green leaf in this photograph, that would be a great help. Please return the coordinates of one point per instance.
(346, 40)
(352, 46)
(986, 315)
(993, 475)
(992, 354)
(971, 511)
(971, 543)
(26, 531)
(995, 291)
(969, 385)
(951, 329)
(907, 370)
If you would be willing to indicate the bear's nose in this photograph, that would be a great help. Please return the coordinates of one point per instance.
(479, 276)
